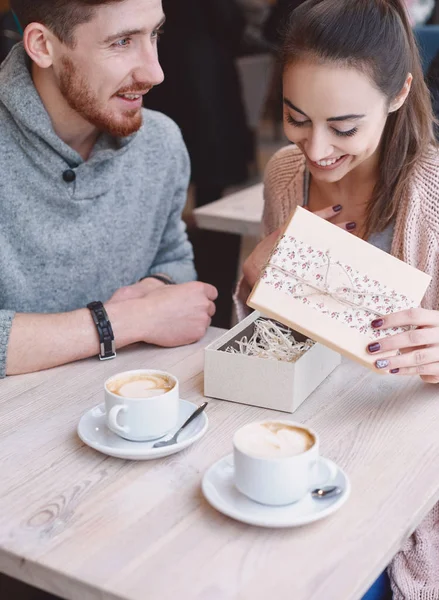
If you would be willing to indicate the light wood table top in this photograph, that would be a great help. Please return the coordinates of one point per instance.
(89, 527)
(239, 213)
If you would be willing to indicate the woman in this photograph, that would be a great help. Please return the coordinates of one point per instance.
(359, 113)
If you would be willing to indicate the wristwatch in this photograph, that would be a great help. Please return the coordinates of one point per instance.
(105, 331)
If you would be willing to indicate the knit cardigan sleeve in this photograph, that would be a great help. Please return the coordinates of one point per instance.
(283, 191)
(283, 187)
(416, 236)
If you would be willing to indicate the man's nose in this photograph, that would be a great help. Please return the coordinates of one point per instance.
(149, 69)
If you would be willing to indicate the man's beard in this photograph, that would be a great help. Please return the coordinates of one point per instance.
(80, 97)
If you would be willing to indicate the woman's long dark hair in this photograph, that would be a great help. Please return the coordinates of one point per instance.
(375, 37)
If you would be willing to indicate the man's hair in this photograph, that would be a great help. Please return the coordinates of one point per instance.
(60, 16)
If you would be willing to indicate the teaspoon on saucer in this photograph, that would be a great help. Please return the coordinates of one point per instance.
(327, 491)
(173, 439)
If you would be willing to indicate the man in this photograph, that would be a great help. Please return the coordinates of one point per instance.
(91, 190)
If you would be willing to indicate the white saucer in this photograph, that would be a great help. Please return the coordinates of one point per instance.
(93, 431)
(220, 491)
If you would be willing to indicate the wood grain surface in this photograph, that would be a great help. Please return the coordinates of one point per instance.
(86, 526)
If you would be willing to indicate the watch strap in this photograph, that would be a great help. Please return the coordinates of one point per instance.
(105, 331)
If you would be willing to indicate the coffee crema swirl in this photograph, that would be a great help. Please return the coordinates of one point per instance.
(141, 385)
(273, 439)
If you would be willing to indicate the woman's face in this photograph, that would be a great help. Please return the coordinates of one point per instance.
(335, 115)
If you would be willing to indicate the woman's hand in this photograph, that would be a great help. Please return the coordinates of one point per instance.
(419, 348)
(254, 264)
(258, 258)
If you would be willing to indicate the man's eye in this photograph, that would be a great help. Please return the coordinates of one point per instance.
(123, 43)
(157, 33)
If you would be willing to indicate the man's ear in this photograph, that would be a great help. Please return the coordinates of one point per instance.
(402, 96)
(38, 43)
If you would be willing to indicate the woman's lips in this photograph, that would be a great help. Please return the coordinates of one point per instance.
(331, 166)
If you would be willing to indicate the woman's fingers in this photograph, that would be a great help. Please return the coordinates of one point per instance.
(418, 317)
(419, 347)
(430, 378)
(348, 225)
(330, 212)
(409, 339)
(429, 373)
(422, 361)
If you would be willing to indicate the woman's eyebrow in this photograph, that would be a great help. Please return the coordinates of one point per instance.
(291, 105)
(346, 118)
(350, 117)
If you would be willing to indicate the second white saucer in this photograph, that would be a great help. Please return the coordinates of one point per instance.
(220, 491)
(93, 431)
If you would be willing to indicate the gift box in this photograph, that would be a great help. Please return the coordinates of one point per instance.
(330, 285)
(264, 382)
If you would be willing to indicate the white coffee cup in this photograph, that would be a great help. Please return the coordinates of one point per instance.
(138, 417)
(274, 472)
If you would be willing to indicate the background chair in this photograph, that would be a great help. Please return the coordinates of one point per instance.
(9, 34)
(427, 37)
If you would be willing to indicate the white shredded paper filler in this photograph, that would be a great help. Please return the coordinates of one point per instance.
(271, 340)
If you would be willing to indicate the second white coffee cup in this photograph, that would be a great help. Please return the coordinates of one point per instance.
(141, 418)
(277, 462)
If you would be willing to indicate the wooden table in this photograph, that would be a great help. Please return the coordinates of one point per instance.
(88, 527)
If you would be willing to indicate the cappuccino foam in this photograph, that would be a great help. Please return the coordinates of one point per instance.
(141, 386)
(273, 439)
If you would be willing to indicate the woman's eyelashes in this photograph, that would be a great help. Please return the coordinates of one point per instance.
(348, 133)
(295, 123)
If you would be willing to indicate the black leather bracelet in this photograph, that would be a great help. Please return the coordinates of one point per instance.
(105, 331)
(163, 279)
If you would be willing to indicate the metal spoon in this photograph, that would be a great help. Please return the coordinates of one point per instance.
(173, 439)
(327, 491)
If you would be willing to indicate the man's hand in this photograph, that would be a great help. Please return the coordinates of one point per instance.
(169, 315)
(137, 290)
(174, 315)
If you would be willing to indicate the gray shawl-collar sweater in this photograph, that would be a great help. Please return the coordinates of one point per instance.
(73, 231)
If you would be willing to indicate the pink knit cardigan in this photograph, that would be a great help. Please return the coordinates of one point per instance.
(414, 571)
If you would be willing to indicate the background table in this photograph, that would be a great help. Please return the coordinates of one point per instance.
(239, 213)
(86, 526)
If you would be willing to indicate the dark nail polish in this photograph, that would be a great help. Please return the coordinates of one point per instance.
(377, 323)
(374, 347)
(382, 364)
(337, 208)
(394, 371)
(351, 226)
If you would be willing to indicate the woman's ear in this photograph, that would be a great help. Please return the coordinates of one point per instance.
(402, 96)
